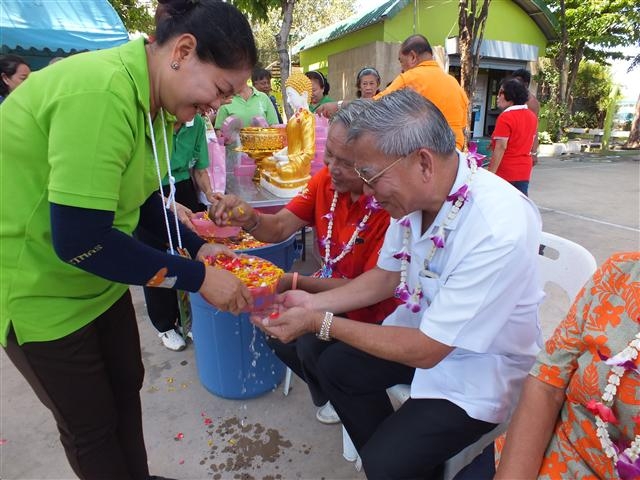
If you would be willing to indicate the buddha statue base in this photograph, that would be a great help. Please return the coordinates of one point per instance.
(282, 188)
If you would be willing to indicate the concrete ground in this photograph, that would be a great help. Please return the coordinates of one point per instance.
(592, 199)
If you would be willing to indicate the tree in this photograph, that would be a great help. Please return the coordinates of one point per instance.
(308, 17)
(472, 19)
(591, 30)
(269, 16)
(634, 135)
(136, 16)
(258, 10)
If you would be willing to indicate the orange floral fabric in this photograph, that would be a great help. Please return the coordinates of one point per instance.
(605, 317)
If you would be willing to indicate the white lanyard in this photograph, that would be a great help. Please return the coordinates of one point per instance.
(171, 201)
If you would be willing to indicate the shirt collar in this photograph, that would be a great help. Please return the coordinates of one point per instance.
(516, 107)
(415, 218)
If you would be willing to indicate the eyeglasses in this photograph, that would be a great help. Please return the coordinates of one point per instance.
(370, 181)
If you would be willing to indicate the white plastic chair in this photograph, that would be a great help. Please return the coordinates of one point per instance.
(560, 261)
(567, 264)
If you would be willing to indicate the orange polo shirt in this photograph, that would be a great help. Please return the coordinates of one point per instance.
(313, 204)
(442, 89)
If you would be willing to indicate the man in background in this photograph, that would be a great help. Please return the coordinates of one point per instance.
(261, 79)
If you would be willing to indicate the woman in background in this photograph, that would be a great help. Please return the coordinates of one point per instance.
(367, 83)
(319, 89)
(513, 136)
(13, 71)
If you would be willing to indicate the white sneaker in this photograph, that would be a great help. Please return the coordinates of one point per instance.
(172, 340)
(327, 414)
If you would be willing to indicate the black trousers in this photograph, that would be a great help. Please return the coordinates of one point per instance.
(91, 381)
(412, 442)
(162, 303)
(302, 356)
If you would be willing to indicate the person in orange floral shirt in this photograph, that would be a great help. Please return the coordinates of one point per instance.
(579, 413)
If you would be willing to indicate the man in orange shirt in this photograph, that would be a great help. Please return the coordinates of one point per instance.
(422, 73)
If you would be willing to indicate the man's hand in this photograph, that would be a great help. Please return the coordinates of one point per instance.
(225, 291)
(287, 325)
(295, 298)
(231, 210)
(213, 250)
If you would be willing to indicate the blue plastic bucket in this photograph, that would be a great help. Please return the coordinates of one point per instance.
(232, 356)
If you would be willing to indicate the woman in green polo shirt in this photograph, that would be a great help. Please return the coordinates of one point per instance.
(83, 145)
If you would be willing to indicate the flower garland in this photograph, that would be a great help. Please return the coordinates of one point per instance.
(326, 271)
(410, 298)
(626, 460)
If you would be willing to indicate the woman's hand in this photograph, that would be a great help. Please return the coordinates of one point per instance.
(213, 250)
(287, 325)
(225, 291)
(231, 210)
(184, 215)
(328, 109)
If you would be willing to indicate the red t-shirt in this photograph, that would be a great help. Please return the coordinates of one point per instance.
(518, 125)
(312, 205)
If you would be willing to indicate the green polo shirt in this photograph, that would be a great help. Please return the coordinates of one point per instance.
(75, 134)
(189, 150)
(257, 105)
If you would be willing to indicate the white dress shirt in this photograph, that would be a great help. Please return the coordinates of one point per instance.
(484, 301)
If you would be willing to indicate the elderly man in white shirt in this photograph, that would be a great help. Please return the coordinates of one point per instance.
(461, 253)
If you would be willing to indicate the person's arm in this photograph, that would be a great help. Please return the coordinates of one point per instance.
(499, 148)
(86, 239)
(329, 109)
(203, 182)
(272, 228)
(366, 289)
(310, 284)
(404, 345)
(530, 430)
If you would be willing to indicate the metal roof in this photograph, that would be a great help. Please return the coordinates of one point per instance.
(67, 25)
(536, 9)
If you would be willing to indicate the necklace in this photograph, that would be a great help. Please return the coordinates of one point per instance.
(326, 271)
(625, 460)
(411, 298)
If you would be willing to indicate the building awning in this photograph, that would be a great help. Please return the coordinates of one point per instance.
(536, 9)
(59, 25)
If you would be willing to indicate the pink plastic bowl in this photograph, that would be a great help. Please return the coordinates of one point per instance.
(206, 228)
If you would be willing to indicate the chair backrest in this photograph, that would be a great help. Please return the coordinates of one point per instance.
(564, 263)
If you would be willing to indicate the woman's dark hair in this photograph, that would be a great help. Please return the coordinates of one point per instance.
(9, 65)
(223, 33)
(321, 79)
(362, 73)
(514, 91)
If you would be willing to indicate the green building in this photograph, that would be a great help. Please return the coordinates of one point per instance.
(517, 33)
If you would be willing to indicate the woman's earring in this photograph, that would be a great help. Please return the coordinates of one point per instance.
(175, 65)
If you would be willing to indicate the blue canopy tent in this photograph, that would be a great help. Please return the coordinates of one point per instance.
(39, 30)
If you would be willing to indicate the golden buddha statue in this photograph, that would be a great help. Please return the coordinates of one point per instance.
(286, 172)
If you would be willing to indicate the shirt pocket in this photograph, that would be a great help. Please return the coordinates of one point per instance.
(430, 287)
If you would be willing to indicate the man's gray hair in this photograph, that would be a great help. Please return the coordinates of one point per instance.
(403, 122)
(349, 113)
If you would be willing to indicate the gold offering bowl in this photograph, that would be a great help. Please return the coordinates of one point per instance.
(260, 143)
